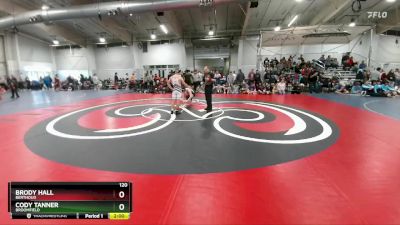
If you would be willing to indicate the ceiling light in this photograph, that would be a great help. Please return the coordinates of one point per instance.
(130, 14)
(206, 2)
(45, 7)
(33, 19)
(164, 28)
(390, 0)
(211, 32)
(153, 36)
(352, 23)
(102, 40)
(299, 0)
(112, 12)
(293, 20)
(56, 42)
(278, 28)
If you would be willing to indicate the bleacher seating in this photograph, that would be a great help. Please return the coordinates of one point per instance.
(340, 73)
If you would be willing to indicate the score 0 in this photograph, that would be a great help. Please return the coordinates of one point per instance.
(121, 195)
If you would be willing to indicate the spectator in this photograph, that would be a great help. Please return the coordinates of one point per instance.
(2, 91)
(252, 88)
(388, 90)
(335, 63)
(356, 89)
(223, 80)
(27, 83)
(301, 58)
(41, 82)
(3, 82)
(375, 75)
(360, 75)
(244, 88)
(234, 75)
(230, 79)
(362, 65)
(157, 78)
(367, 88)
(328, 62)
(263, 89)
(313, 81)
(251, 76)
(322, 59)
(367, 75)
(57, 83)
(197, 78)
(116, 80)
(345, 59)
(13, 84)
(397, 75)
(48, 81)
(391, 77)
(257, 77)
(240, 77)
(266, 62)
(350, 62)
(305, 73)
(217, 77)
(281, 87)
(383, 77)
(96, 83)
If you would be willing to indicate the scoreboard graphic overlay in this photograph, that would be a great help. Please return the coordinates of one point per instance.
(70, 200)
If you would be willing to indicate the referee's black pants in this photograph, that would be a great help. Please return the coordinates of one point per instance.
(208, 92)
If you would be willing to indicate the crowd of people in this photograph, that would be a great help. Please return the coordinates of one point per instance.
(279, 76)
(315, 76)
(296, 76)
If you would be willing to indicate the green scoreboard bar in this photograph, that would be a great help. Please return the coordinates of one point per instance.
(70, 200)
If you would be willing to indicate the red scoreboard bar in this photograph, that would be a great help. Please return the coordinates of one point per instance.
(70, 200)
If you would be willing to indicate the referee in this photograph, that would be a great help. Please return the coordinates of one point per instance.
(208, 89)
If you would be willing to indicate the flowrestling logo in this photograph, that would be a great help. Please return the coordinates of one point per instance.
(377, 15)
(142, 136)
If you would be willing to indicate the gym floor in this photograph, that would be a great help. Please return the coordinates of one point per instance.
(276, 159)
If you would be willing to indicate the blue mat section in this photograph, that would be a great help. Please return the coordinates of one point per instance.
(381, 105)
(41, 99)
